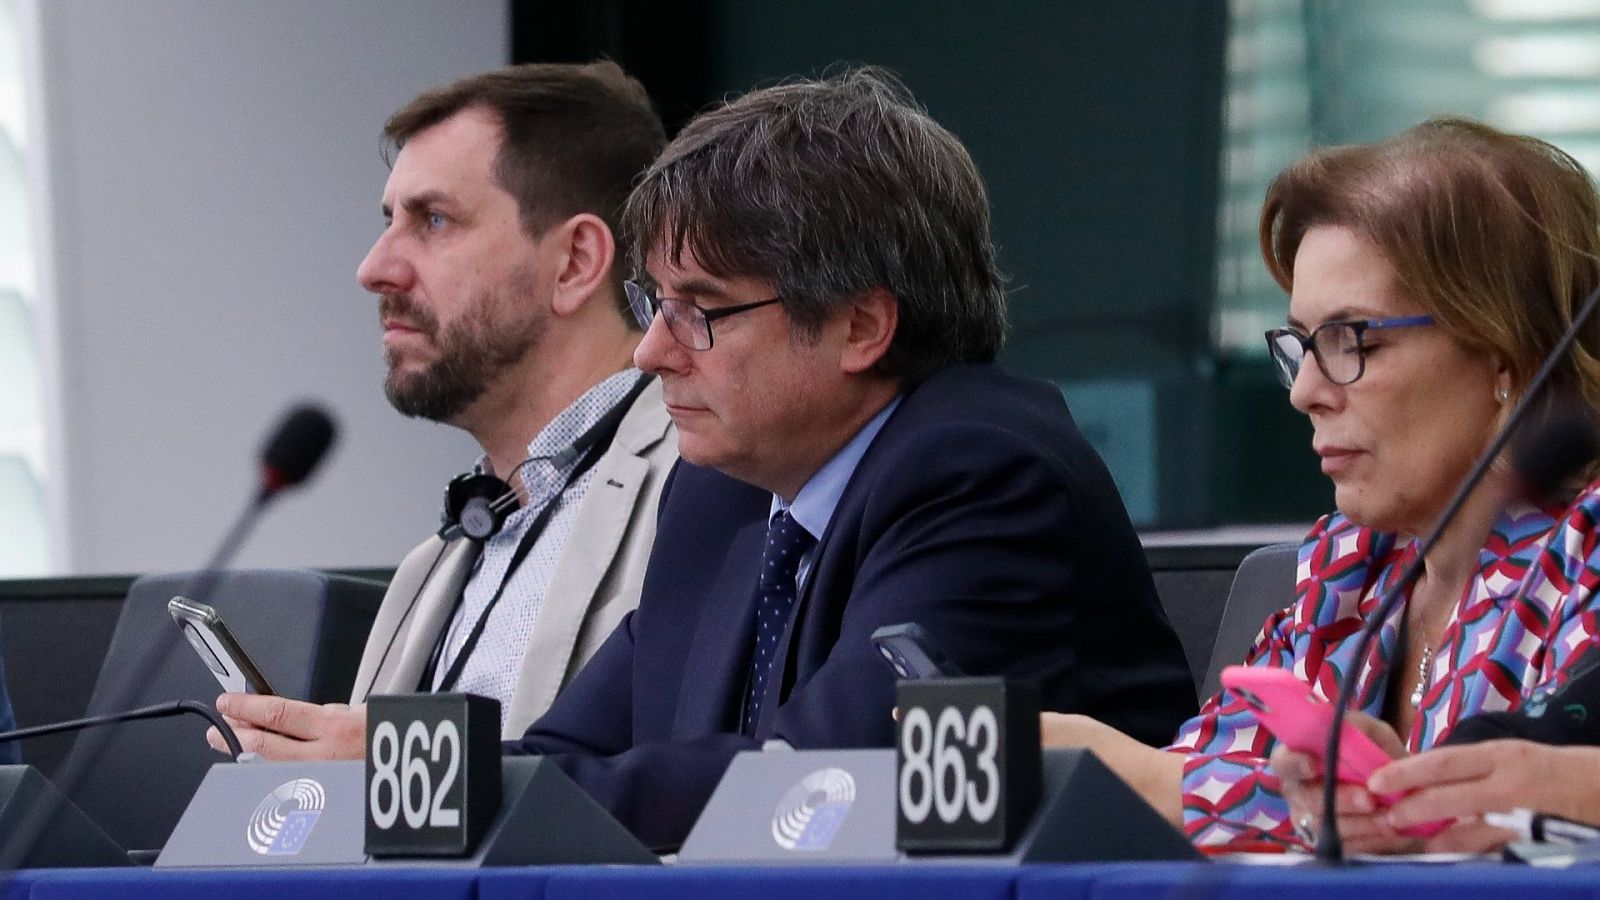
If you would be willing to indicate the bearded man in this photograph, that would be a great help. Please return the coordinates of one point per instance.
(503, 315)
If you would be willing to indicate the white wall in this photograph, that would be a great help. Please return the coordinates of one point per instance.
(214, 179)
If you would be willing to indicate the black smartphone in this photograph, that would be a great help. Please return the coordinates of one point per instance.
(909, 650)
(217, 648)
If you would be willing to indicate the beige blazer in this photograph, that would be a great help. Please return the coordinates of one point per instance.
(595, 582)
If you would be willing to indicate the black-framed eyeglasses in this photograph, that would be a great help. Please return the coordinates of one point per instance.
(1338, 346)
(689, 323)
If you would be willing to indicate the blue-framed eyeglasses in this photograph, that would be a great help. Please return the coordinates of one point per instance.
(689, 324)
(1339, 347)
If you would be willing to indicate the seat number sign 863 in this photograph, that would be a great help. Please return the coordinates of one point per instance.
(934, 772)
(967, 763)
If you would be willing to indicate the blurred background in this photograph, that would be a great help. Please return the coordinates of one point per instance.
(187, 186)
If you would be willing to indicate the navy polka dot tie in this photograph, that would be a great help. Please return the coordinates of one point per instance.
(787, 541)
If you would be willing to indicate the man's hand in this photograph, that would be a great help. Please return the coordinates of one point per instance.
(281, 729)
(1363, 827)
(1464, 782)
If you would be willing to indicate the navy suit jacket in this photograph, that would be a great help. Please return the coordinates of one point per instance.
(978, 512)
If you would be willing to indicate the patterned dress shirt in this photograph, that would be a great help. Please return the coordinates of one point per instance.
(1528, 613)
(496, 662)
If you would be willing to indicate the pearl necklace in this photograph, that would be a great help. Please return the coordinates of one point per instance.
(1424, 677)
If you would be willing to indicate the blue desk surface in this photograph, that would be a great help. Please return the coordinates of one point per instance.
(253, 884)
(909, 882)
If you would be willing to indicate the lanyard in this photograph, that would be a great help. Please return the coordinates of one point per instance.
(598, 440)
(524, 547)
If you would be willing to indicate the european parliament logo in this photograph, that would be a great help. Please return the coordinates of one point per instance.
(283, 820)
(810, 813)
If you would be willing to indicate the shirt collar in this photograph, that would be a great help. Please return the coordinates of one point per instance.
(813, 506)
(581, 415)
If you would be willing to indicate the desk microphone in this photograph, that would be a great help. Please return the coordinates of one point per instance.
(1553, 450)
(291, 453)
(296, 446)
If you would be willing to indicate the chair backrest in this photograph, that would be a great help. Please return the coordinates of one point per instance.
(303, 629)
(1264, 584)
(1193, 595)
(10, 751)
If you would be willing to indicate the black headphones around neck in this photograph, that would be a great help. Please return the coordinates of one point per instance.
(476, 505)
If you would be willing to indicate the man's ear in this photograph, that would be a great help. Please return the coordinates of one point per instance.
(872, 318)
(584, 249)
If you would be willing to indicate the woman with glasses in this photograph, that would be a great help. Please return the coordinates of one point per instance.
(1428, 277)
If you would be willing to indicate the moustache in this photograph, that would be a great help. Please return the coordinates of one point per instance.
(401, 308)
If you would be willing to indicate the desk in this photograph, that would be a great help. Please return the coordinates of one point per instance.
(247, 884)
(1138, 881)
(1233, 881)
(719, 883)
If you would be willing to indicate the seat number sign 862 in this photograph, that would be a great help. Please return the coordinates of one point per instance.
(433, 773)
(402, 779)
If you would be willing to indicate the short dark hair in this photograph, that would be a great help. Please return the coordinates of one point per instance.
(575, 137)
(831, 188)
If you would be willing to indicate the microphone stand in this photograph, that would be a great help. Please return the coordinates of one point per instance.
(296, 447)
(1330, 847)
(84, 756)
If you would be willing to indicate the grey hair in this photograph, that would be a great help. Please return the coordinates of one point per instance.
(829, 189)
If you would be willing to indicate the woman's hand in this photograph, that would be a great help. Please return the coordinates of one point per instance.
(1363, 824)
(1462, 783)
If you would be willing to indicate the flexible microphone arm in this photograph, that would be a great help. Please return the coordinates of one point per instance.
(294, 449)
(1330, 847)
(292, 452)
(206, 580)
(159, 711)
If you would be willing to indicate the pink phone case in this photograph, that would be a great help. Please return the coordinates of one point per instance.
(1301, 721)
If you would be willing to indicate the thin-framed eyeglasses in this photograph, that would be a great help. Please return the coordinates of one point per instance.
(689, 323)
(1339, 347)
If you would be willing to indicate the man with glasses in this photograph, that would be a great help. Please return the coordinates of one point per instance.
(823, 309)
(503, 314)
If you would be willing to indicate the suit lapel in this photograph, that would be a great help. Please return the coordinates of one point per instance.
(806, 628)
(589, 553)
(591, 546)
(411, 638)
(719, 656)
(792, 641)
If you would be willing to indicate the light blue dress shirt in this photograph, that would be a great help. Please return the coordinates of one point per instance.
(813, 506)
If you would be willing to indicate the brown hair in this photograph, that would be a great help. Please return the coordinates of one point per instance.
(575, 137)
(1496, 235)
(831, 188)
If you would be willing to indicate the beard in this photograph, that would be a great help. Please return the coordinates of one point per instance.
(473, 351)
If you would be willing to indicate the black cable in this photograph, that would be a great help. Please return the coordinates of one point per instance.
(159, 711)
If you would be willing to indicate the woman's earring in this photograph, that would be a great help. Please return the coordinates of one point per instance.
(1502, 394)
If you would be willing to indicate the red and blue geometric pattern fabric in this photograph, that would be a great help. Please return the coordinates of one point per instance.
(1525, 617)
